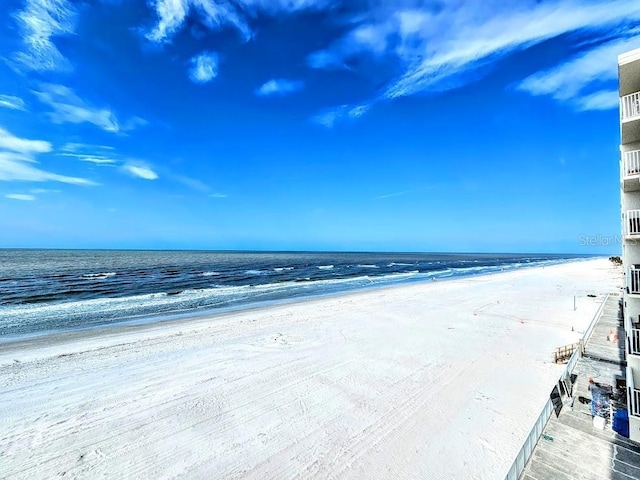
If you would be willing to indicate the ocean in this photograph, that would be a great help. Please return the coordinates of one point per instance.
(43, 291)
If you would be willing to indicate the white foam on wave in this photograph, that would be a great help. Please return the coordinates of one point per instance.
(396, 264)
(325, 267)
(210, 274)
(99, 275)
(257, 272)
(281, 269)
(368, 266)
(50, 315)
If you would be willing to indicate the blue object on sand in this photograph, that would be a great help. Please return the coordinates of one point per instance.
(621, 422)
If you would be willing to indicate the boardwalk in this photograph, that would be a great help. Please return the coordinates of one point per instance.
(570, 446)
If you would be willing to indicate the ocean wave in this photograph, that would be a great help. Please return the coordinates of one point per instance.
(115, 301)
(367, 266)
(256, 272)
(99, 275)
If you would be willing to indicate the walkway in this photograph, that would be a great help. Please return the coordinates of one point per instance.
(570, 446)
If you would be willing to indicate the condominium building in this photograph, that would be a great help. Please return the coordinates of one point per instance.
(629, 90)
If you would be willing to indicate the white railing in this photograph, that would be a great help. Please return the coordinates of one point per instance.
(630, 106)
(587, 333)
(633, 335)
(633, 222)
(633, 394)
(631, 163)
(536, 432)
(633, 281)
(529, 444)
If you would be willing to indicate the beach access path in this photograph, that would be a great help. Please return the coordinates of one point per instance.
(434, 380)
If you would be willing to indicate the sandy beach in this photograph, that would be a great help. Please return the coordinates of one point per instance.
(435, 380)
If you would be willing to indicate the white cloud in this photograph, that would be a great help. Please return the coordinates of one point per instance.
(204, 67)
(571, 80)
(96, 159)
(14, 103)
(218, 195)
(40, 21)
(9, 141)
(485, 34)
(279, 86)
(416, 47)
(20, 196)
(69, 108)
(329, 117)
(83, 147)
(140, 171)
(18, 167)
(102, 155)
(18, 162)
(391, 195)
(602, 100)
(38, 191)
(219, 14)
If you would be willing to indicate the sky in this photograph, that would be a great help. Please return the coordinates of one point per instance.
(424, 126)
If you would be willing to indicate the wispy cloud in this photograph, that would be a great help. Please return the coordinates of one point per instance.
(21, 196)
(95, 159)
(330, 116)
(31, 195)
(39, 22)
(279, 86)
(140, 170)
(572, 80)
(390, 195)
(10, 142)
(70, 108)
(18, 161)
(204, 67)
(102, 155)
(11, 102)
(602, 100)
(218, 195)
(220, 14)
(71, 147)
(422, 47)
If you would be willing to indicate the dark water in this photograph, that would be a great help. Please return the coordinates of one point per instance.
(48, 290)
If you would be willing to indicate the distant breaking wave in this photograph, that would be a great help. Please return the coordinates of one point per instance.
(44, 290)
(99, 275)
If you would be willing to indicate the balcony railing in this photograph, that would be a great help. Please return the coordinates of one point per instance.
(633, 395)
(632, 223)
(631, 163)
(633, 336)
(633, 281)
(630, 106)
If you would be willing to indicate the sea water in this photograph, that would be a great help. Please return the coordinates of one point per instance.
(52, 290)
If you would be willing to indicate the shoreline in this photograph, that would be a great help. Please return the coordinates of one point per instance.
(211, 313)
(427, 380)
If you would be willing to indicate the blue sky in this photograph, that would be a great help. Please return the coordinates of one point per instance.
(466, 125)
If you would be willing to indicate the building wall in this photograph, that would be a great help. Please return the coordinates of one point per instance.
(629, 82)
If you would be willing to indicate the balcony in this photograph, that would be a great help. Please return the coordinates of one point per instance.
(633, 341)
(629, 116)
(632, 224)
(633, 281)
(631, 171)
(630, 107)
(633, 395)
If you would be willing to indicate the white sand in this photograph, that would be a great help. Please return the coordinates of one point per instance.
(436, 380)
